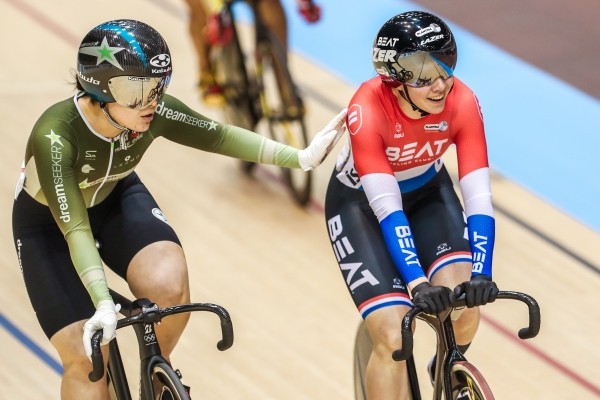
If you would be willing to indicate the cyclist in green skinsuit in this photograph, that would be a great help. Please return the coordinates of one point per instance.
(79, 202)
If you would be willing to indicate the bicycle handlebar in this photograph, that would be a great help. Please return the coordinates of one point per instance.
(528, 332)
(153, 315)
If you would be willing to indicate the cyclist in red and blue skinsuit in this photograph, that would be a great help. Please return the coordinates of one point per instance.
(395, 223)
(79, 204)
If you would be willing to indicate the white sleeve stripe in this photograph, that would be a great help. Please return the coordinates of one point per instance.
(477, 193)
(383, 194)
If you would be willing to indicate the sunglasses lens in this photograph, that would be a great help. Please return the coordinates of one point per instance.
(422, 68)
(137, 91)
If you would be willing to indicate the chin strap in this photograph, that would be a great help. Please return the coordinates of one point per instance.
(124, 135)
(405, 96)
(110, 119)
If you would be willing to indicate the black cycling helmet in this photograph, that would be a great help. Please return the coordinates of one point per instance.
(124, 61)
(414, 48)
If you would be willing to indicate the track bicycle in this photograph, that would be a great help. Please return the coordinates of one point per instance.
(260, 88)
(454, 377)
(142, 314)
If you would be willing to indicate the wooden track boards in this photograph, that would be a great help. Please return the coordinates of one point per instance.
(268, 262)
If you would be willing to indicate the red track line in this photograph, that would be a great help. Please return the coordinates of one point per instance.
(557, 365)
(70, 39)
(45, 22)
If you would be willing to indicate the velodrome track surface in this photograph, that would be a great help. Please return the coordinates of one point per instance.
(251, 250)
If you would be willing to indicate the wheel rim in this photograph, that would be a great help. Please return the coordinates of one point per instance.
(468, 383)
(169, 387)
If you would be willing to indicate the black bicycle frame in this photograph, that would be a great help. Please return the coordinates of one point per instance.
(149, 349)
(143, 314)
(447, 350)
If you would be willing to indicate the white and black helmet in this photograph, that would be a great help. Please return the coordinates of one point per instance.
(414, 48)
(124, 61)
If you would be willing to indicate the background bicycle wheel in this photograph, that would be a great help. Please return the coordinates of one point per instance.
(269, 262)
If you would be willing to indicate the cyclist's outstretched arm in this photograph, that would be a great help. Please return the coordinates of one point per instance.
(196, 130)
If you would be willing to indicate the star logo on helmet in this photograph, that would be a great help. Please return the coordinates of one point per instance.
(104, 52)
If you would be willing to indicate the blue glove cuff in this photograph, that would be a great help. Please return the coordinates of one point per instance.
(482, 235)
(401, 245)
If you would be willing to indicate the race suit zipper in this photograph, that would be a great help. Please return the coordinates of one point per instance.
(110, 159)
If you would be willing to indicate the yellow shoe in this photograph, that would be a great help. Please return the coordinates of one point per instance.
(211, 94)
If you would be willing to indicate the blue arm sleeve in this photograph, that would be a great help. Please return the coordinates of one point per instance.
(482, 234)
(400, 243)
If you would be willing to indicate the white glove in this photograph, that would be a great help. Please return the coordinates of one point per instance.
(323, 143)
(105, 318)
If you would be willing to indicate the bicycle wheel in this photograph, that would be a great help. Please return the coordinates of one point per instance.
(283, 108)
(172, 388)
(229, 70)
(362, 352)
(468, 383)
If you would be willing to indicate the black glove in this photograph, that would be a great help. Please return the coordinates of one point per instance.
(432, 299)
(479, 291)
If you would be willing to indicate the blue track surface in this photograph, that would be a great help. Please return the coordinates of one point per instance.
(540, 129)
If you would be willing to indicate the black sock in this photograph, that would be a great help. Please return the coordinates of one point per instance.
(463, 347)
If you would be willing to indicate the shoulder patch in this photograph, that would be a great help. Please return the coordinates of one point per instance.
(354, 119)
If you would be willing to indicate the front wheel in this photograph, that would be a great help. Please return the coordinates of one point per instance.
(169, 384)
(293, 133)
(362, 351)
(363, 345)
(468, 383)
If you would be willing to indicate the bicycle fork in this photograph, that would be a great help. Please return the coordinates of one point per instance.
(147, 343)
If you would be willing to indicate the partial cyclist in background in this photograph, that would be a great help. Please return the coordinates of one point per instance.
(206, 30)
(394, 219)
(79, 203)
